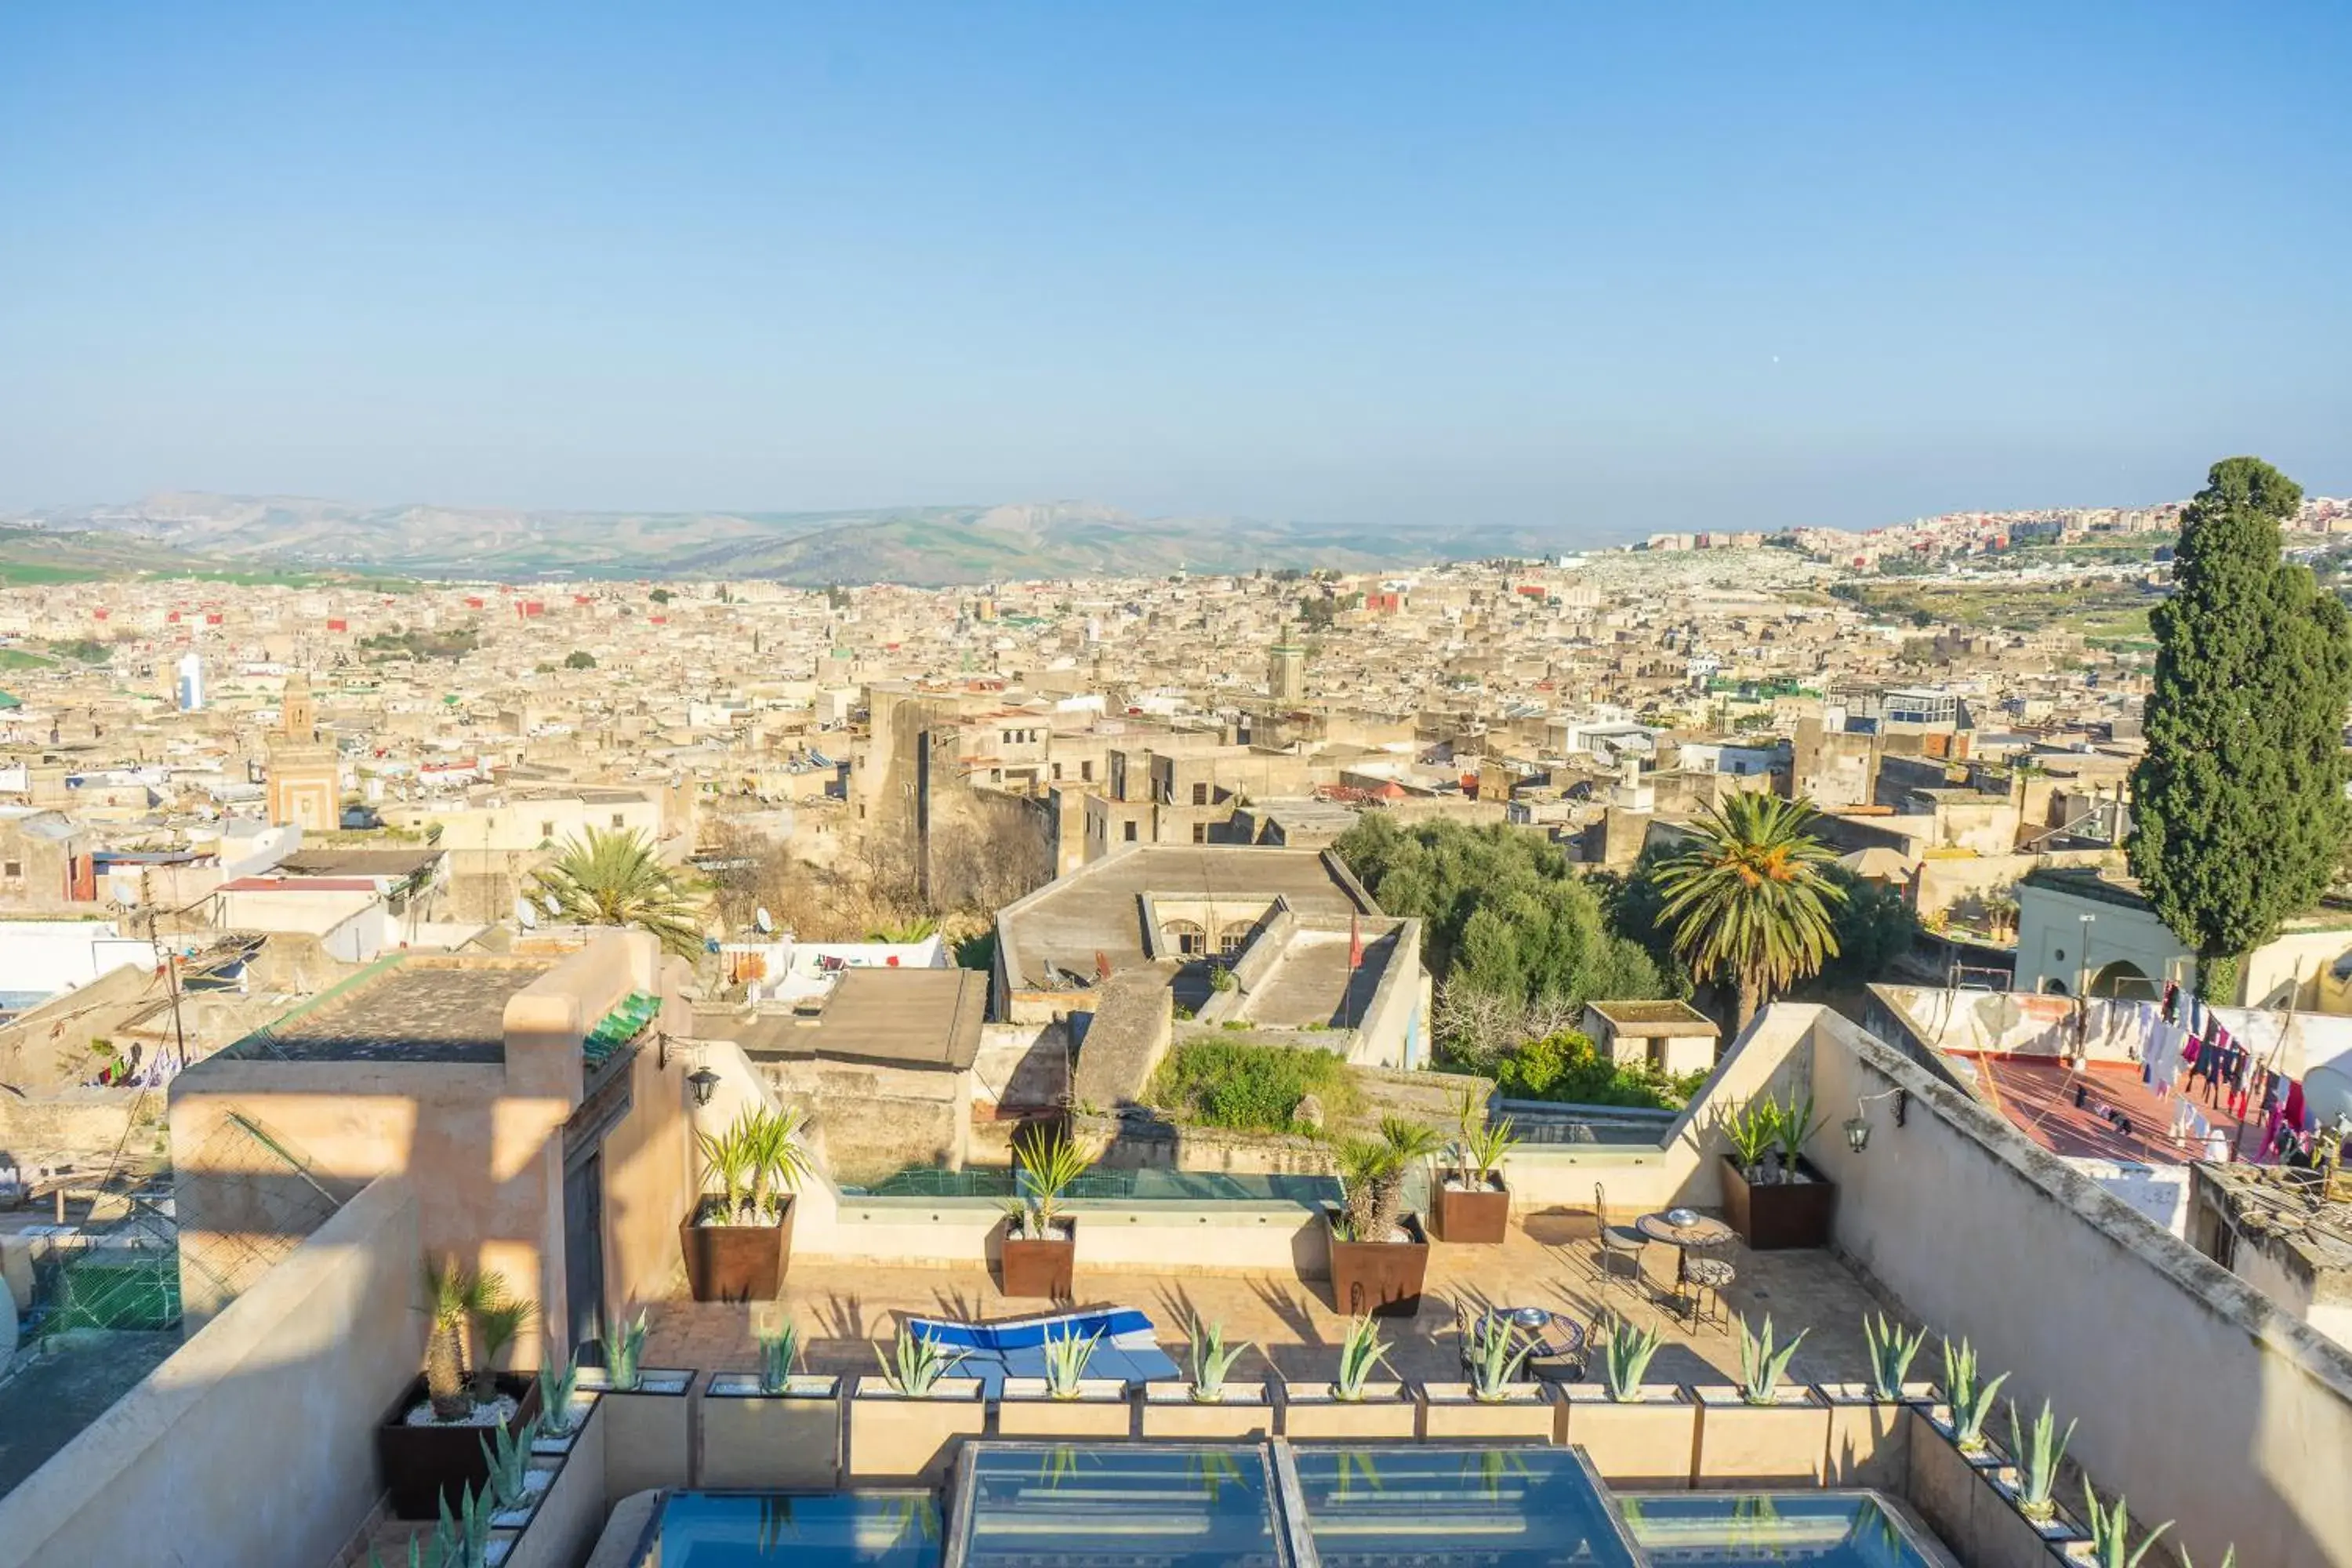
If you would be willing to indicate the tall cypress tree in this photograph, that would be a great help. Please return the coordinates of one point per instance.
(2241, 820)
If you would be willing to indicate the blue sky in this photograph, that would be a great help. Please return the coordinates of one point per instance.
(1593, 270)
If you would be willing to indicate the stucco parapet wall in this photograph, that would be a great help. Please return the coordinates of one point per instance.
(2267, 1215)
(1133, 1022)
(2117, 1223)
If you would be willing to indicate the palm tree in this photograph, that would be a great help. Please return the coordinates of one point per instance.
(615, 879)
(1749, 897)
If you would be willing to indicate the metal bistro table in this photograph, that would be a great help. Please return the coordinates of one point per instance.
(1558, 1341)
(1699, 1232)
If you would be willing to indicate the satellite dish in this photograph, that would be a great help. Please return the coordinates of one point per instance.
(527, 916)
(2328, 1093)
(763, 919)
(554, 906)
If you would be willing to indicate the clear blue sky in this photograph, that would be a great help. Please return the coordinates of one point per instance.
(1597, 269)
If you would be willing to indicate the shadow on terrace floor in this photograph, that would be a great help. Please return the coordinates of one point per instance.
(842, 1309)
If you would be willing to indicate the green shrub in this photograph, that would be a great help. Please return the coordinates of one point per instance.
(1250, 1088)
(1569, 1069)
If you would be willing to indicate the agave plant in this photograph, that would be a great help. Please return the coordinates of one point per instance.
(1971, 1399)
(1360, 1350)
(2037, 1461)
(1497, 1351)
(1892, 1348)
(1212, 1360)
(624, 1358)
(462, 1540)
(1625, 1359)
(916, 1363)
(499, 1320)
(2110, 1531)
(556, 1390)
(778, 1352)
(508, 1455)
(1049, 1163)
(1065, 1361)
(1761, 1366)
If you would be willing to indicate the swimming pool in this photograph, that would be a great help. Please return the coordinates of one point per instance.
(761, 1530)
(1766, 1530)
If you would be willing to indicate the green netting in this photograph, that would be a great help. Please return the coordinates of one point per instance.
(132, 1293)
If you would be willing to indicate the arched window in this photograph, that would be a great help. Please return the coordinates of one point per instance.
(1190, 937)
(2125, 979)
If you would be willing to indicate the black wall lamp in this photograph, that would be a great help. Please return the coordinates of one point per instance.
(703, 1081)
(1857, 1126)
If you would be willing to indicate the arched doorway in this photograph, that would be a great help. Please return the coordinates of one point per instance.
(2123, 978)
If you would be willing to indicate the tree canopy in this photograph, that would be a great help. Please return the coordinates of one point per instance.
(616, 879)
(2240, 819)
(1749, 896)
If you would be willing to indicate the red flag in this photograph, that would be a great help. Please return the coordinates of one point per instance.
(1355, 941)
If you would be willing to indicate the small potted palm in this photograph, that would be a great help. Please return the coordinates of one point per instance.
(907, 1424)
(778, 1429)
(1870, 1428)
(1209, 1404)
(1635, 1432)
(1493, 1399)
(1380, 1254)
(737, 1240)
(1041, 1239)
(429, 1446)
(1474, 1206)
(1772, 1196)
(1353, 1406)
(1065, 1402)
(1767, 1429)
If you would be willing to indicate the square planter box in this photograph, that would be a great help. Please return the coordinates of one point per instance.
(1312, 1413)
(1870, 1439)
(647, 1430)
(556, 1443)
(1449, 1410)
(1942, 1485)
(895, 1438)
(1039, 1265)
(1649, 1442)
(422, 1465)
(2005, 1533)
(789, 1440)
(1782, 1444)
(1382, 1278)
(1169, 1411)
(1771, 1216)
(1474, 1215)
(1100, 1410)
(736, 1262)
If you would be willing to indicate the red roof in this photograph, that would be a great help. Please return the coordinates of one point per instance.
(2037, 1096)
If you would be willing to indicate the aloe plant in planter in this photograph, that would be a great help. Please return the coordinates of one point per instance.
(1362, 1350)
(1041, 1239)
(737, 1239)
(1969, 1396)
(1892, 1350)
(1065, 1361)
(778, 1351)
(556, 1392)
(915, 1364)
(1213, 1359)
(2110, 1531)
(509, 1488)
(2038, 1457)
(1761, 1366)
(1496, 1351)
(1472, 1204)
(1625, 1357)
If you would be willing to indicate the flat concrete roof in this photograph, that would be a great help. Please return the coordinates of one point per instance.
(1099, 908)
(923, 1018)
(1643, 1019)
(358, 862)
(418, 1010)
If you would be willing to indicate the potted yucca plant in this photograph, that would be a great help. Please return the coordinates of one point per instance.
(1065, 1402)
(1870, 1428)
(1040, 1237)
(1495, 1399)
(908, 1423)
(1635, 1432)
(1353, 1406)
(1767, 1429)
(777, 1429)
(1473, 1204)
(429, 1446)
(1208, 1404)
(1380, 1254)
(737, 1240)
(1772, 1196)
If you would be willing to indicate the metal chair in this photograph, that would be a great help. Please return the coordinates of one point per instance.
(1617, 1241)
(1704, 1275)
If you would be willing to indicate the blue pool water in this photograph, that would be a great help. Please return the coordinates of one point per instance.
(1174, 1506)
(1768, 1529)
(1436, 1507)
(840, 1530)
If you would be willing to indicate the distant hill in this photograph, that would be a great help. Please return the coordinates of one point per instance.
(32, 553)
(926, 546)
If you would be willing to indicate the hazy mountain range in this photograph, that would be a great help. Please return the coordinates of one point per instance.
(927, 546)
